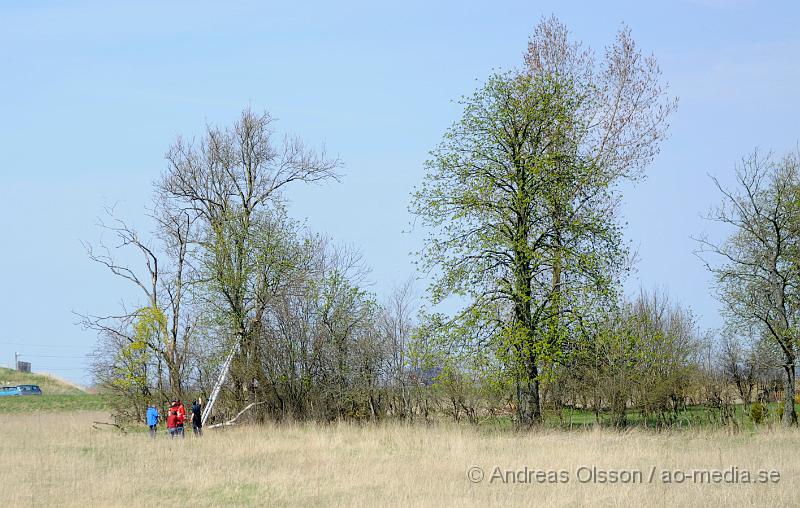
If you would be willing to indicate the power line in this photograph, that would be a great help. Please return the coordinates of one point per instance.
(40, 345)
(45, 370)
(86, 356)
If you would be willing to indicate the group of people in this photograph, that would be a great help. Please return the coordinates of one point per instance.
(175, 419)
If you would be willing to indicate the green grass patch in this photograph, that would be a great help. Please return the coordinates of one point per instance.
(52, 403)
(691, 417)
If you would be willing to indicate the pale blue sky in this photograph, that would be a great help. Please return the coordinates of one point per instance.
(93, 93)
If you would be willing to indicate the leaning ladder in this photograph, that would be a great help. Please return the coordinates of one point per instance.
(223, 375)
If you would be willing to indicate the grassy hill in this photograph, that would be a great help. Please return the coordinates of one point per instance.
(57, 395)
(48, 384)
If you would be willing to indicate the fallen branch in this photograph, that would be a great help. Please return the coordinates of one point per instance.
(119, 427)
(233, 420)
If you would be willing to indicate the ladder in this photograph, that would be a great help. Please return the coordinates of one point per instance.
(223, 375)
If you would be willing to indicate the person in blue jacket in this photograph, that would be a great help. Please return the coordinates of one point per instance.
(152, 419)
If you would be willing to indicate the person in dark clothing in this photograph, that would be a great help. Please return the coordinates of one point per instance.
(197, 418)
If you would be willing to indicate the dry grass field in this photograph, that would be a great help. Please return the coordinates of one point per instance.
(58, 459)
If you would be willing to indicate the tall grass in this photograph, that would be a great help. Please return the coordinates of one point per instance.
(58, 459)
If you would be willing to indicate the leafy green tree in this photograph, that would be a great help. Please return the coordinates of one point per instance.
(521, 201)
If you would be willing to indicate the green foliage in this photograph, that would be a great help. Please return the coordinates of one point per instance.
(522, 226)
(643, 356)
(131, 381)
(150, 327)
(149, 332)
(758, 412)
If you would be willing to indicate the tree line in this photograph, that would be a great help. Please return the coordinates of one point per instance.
(521, 203)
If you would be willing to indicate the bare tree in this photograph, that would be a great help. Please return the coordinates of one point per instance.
(155, 335)
(231, 182)
(756, 268)
(397, 325)
(621, 106)
(740, 365)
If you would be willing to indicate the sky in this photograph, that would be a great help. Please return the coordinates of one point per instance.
(92, 94)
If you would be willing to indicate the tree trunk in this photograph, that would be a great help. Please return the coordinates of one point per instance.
(529, 409)
(789, 413)
(175, 384)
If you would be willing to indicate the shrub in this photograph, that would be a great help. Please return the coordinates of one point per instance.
(757, 412)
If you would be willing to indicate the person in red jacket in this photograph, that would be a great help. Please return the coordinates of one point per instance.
(172, 419)
(181, 413)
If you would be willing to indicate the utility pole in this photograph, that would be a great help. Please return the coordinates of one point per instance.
(16, 360)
